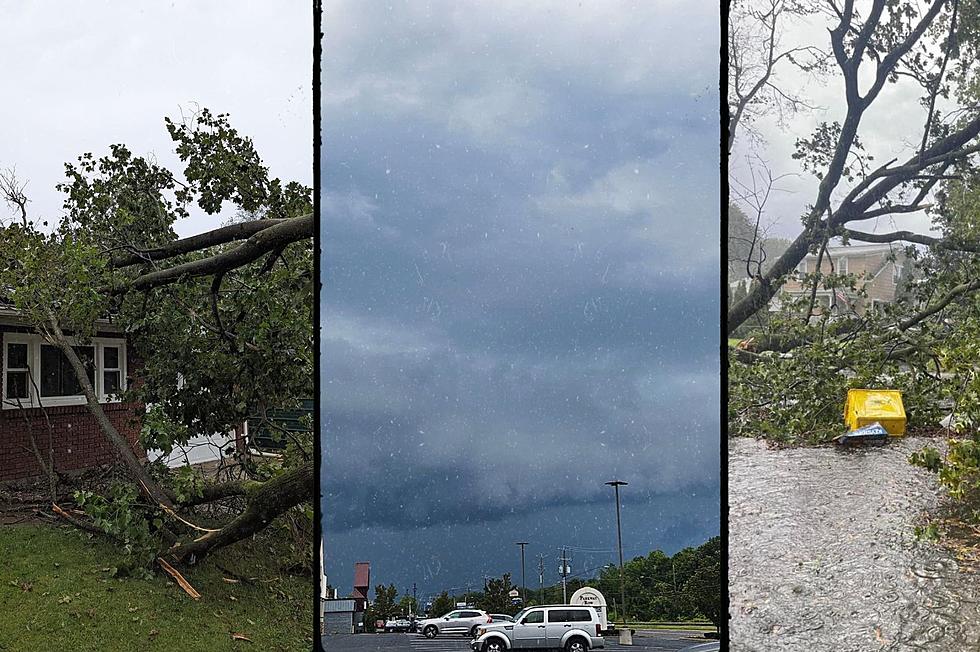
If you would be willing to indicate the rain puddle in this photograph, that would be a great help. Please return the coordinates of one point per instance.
(823, 556)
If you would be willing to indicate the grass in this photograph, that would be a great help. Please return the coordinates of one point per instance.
(57, 592)
(733, 341)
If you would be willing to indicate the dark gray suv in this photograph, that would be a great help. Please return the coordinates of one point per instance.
(572, 628)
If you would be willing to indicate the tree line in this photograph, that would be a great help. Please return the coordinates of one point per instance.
(659, 587)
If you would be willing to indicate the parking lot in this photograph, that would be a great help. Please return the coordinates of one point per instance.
(647, 640)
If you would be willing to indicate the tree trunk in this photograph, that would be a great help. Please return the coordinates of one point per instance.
(265, 502)
(125, 450)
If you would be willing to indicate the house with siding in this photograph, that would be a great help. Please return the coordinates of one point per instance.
(878, 268)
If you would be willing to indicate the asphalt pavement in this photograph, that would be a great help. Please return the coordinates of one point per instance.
(643, 640)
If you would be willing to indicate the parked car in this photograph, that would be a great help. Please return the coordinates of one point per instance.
(459, 621)
(572, 628)
(398, 625)
(502, 618)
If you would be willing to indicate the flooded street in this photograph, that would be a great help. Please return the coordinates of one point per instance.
(823, 555)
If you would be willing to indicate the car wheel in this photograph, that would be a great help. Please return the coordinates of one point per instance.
(576, 645)
(494, 645)
(430, 631)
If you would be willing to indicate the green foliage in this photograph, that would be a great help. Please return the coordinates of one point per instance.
(159, 431)
(958, 471)
(495, 598)
(222, 165)
(122, 516)
(793, 389)
(407, 605)
(442, 605)
(384, 601)
(660, 587)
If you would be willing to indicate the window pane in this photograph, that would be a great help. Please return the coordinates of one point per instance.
(110, 357)
(16, 356)
(57, 376)
(17, 384)
(50, 371)
(110, 382)
(535, 617)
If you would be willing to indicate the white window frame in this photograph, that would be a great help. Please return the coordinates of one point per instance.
(897, 270)
(801, 267)
(34, 343)
(841, 265)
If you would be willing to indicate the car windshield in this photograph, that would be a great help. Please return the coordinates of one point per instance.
(520, 614)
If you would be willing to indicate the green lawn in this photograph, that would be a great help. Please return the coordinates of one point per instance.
(56, 592)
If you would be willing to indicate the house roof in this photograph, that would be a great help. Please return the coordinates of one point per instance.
(861, 250)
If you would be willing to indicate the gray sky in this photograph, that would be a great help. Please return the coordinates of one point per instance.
(521, 284)
(79, 76)
(891, 128)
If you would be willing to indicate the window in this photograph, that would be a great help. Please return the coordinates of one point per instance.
(533, 617)
(842, 265)
(57, 376)
(17, 375)
(111, 370)
(579, 616)
(896, 272)
(558, 616)
(801, 268)
(569, 616)
(36, 373)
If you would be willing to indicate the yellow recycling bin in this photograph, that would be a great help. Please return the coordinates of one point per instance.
(866, 406)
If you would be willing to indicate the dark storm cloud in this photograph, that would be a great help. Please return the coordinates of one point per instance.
(520, 264)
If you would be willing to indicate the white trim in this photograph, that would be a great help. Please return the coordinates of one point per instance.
(34, 343)
(842, 265)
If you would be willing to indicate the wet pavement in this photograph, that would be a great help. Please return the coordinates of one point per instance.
(823, 555)
(649, 640)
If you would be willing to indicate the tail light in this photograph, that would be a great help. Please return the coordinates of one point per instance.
(598, 629)
(489, 619)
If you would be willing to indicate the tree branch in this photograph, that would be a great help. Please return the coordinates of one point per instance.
(266, 240)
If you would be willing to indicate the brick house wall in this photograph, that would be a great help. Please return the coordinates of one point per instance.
(70, 431)
(77, 441)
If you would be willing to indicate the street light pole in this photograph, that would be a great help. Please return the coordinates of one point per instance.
(523, 581)
(616, 484)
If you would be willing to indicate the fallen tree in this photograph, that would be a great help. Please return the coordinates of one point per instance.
(936, 48)
(221, 323)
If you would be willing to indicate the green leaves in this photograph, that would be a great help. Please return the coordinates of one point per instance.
(122, 516)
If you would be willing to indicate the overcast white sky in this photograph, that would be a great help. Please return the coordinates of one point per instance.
(889, 129)
(80, 76)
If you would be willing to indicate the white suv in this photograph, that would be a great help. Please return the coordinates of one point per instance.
(460, 621)
(572, 628)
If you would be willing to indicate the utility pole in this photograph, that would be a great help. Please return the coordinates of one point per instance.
(541, 578)
(523, 580)
(564, 574)
(616, 484)
(415, 599)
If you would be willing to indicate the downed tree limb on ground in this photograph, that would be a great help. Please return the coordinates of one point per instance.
(183, 583)
(265, 502)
